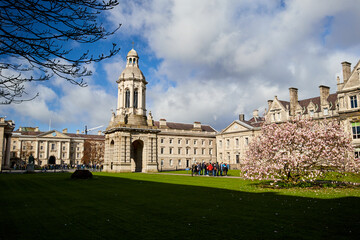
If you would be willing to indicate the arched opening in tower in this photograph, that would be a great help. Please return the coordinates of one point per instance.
(137, 152)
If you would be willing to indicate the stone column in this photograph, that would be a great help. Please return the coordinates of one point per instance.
(59, 150)
(37, 150)
(47, 150)
(132, 96)
(20, 149)
(119, 103)
(140, 99)
(7, 151)
(143, 105)
(68, 151)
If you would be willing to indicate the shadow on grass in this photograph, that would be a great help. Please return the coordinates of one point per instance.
(51, 206)
(318, 184)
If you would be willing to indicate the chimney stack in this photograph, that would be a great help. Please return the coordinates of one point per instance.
(36, 129)
(77, 131)
(346, 68)
(163, 123)
(324, 94)
(293, 100)
(197, 126)
(241, 117)
(99, 132)
(269, 103)
(64, 130)
(256, 113)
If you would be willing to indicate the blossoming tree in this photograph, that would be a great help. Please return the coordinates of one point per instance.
(299, 150)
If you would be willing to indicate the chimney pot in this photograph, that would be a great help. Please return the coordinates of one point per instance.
(324, 94)
(163, 123)
(293, 100)
(241, 117)
(346, 68)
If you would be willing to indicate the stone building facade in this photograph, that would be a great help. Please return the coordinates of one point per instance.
(232, 142)
(342, 105)
(6, 128)
(51, 147)
(134, 142)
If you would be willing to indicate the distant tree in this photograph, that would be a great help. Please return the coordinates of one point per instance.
(299, 150)
(93, 152)
(37, 38)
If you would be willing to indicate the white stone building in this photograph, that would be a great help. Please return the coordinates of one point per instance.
(51, 147)
(6, 128)
(135, 142)
(342, 105)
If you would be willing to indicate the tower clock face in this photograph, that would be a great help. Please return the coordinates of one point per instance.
(54, 134)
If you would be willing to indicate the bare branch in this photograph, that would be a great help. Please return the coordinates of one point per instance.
(40, 34)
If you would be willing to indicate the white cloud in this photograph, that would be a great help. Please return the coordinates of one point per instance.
(227, 57)
(220, 58)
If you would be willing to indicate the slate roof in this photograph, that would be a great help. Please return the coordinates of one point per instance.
(184, 126)
(255, 122)
(72, 135)
(315, 100)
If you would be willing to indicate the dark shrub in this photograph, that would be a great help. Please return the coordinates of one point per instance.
(81, 174)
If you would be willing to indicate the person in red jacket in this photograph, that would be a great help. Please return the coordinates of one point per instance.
(210, 168)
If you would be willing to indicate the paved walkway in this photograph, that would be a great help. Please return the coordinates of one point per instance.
(178, 174)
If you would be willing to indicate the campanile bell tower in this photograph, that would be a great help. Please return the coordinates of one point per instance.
(131, 137)
(131, 105)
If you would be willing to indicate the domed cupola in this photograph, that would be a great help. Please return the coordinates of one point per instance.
(132, 70)
(132, 92)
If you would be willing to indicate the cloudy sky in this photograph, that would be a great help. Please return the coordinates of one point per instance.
(207, 61)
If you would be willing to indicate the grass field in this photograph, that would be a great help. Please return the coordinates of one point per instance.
(159, 206)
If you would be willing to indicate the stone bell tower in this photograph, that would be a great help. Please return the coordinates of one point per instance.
(131, 106)
(131, 137)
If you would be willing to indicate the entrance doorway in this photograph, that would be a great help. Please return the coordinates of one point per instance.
(52, 160)
(137, 152)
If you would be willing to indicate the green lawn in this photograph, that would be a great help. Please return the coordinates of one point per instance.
(158, 206)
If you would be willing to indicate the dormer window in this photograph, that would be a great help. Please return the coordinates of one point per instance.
(326, 111)
(279, 116)
(353, 101)
(311, 112)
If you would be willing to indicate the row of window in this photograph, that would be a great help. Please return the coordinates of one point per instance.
(353, 104)
(63, 155)
(179, 163)
(237, 142)
(127, 98)
(237, 157)
(187, 151)
(187, 141)
(52, 147)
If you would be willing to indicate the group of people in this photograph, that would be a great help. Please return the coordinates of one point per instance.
(210, 169)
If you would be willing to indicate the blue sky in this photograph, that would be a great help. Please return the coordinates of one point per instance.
(206, 61)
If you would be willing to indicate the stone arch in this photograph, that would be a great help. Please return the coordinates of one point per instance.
(111, 149)
(52, 160)
(137, 148)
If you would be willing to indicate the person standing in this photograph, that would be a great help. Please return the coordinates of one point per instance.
(210, 169)
(203, 168)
